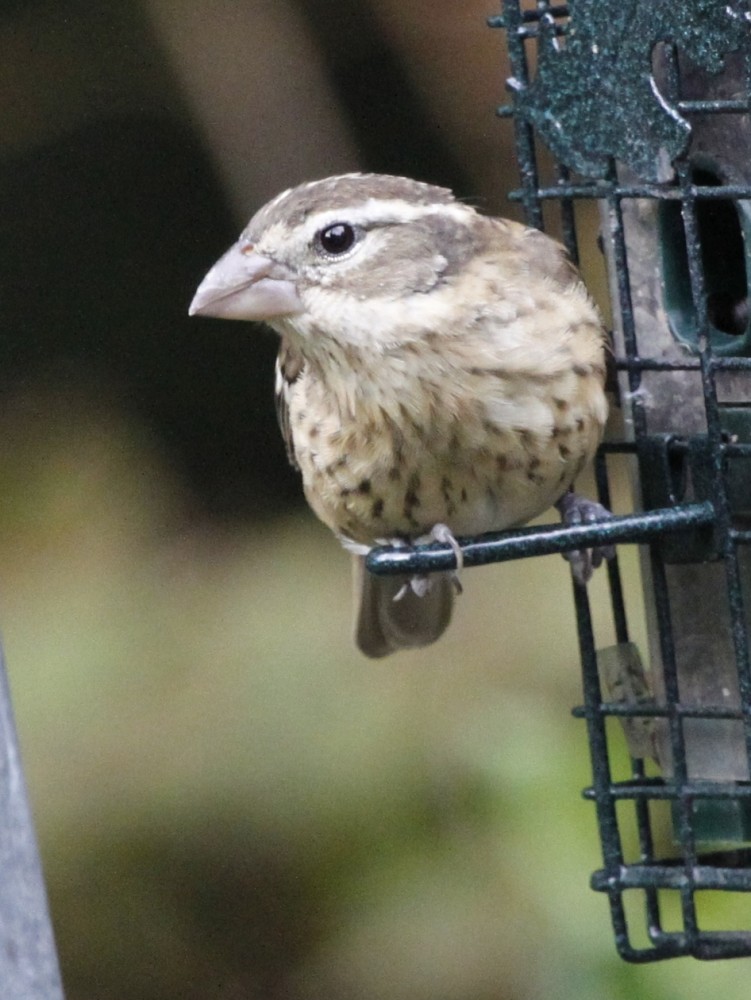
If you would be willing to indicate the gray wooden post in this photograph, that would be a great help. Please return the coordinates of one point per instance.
(28, 961)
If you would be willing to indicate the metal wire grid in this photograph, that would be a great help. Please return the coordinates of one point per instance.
(705, 526)
(689, 874)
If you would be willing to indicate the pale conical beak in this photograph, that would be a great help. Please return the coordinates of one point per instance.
(245, 285)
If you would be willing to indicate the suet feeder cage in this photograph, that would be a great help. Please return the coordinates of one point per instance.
(643, 106)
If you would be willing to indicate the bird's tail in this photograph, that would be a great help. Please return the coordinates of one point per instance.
(384, 625)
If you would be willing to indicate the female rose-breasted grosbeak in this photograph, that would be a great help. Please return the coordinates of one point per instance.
(440, 372)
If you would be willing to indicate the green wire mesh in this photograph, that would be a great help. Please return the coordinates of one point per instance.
(671, 841)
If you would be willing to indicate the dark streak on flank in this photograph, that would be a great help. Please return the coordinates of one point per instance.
(411, 499)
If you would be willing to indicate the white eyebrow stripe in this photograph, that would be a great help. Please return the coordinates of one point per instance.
(382, 211)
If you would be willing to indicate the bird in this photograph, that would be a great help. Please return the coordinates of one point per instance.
(440, 374)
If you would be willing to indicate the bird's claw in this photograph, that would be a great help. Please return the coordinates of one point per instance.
(442, 533)
(575, 509)
(420, 583)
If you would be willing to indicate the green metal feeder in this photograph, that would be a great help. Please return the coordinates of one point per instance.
(645, 106)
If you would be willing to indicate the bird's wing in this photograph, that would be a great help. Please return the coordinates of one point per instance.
(289, 367)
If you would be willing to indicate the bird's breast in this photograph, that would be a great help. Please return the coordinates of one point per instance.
(391, 455)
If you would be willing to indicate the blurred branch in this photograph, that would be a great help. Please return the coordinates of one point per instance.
(254, 82)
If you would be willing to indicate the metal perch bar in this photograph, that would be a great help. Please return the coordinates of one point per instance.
(539, 541)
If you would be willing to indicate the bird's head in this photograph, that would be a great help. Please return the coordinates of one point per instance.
(347, 256)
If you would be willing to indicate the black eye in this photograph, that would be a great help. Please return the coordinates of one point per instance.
(337, 239)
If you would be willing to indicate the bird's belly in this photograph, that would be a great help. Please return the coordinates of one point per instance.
(370, 485)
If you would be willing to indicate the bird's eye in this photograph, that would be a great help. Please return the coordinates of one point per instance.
(337, 239)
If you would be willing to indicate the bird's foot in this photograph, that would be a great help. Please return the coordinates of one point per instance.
(420, 583)
(575, 509)
(442, 533)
